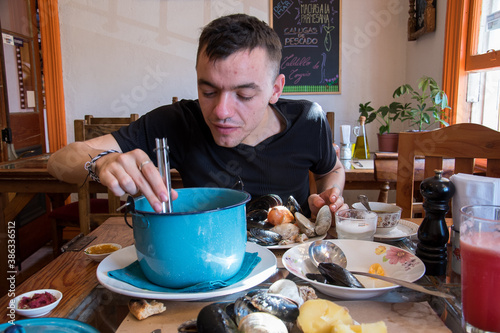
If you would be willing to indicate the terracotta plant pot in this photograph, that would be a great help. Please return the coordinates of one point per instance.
(388, 142)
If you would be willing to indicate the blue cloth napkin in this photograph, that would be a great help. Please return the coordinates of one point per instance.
(132, 274)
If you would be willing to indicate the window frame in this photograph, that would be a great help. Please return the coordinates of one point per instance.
(460, 58)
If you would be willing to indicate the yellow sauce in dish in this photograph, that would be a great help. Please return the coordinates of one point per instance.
(102, 249)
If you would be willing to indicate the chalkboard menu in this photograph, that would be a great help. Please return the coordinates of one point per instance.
(310, 34)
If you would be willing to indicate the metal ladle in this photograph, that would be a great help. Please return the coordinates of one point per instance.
(364, 201)
(327, 252)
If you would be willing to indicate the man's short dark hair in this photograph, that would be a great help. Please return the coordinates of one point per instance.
(238, 32)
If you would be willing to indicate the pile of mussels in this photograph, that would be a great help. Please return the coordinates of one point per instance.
(262, 310)
(272, 222)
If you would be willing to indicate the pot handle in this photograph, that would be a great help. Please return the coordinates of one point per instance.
(129, 207)
(126, 221)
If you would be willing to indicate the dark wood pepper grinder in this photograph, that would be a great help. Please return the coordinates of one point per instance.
(433, 233)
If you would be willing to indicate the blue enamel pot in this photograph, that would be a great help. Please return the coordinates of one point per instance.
(203, 239)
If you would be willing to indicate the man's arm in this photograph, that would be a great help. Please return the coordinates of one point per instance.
(330, 187)
(121, 172)
(68, 163)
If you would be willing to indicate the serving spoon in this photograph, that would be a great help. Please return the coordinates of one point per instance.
(327, 252)
(364, 201)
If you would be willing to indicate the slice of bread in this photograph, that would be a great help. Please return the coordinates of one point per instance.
(142, 309)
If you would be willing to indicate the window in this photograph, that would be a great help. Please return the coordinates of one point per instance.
(472, 61)
(483, 87)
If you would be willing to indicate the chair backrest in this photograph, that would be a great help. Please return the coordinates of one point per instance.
(330, 116)
(92, 127)
(463, 142)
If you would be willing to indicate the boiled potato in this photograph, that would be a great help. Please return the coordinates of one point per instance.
(320, 315)
(378, 327)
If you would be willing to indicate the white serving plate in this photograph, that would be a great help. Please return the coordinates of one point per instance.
(288, 246)
(124, 257)
(402, 230)
(360, 256)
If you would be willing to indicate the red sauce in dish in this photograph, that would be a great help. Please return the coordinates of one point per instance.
(36, 301)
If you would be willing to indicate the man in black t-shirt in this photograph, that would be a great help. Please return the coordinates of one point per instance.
(239, 128)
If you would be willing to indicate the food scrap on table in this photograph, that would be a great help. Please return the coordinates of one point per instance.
(143, 309)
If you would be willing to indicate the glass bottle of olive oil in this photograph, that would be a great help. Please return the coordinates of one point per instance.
(361, 150)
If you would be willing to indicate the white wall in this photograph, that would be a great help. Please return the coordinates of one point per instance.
(130, 56)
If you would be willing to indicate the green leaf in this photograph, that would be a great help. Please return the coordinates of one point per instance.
(426, 118)
(371, 118)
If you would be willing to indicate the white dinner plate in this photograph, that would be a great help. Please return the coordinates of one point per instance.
(124, 257)
(360, 255)
(402, 230)
(288, 246)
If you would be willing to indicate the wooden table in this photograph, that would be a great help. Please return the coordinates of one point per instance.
(369, 179)
(20, 181)
(84, 299)
(73, 273)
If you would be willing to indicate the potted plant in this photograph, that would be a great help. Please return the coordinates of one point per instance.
(386, 116)
(430, 100)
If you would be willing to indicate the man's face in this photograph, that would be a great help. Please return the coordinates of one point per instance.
(234, 95)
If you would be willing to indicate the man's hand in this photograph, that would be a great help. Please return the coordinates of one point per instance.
(133, 173)
(331, 197)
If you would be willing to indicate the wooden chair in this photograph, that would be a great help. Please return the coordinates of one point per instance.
(92, 127)
(463, 142)
(386, 169)
(99, 209)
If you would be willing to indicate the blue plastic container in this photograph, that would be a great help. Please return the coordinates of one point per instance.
(204, 239)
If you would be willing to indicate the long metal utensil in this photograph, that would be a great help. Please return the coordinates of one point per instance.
(164, 168)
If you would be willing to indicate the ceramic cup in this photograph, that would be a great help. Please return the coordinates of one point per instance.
(480, 253)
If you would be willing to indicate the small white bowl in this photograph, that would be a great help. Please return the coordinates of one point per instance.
(41, 311)
(388, 215)
(100, 256)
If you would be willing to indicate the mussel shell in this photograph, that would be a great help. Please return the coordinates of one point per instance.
(292, 205)
(277, 305)
(286, 288)
(257, 215)
(338, 275)
(252, 239)
(213, 318)
(259, 225)
(262, 322)
(305, 225)
(188, 327)
(267, 237)
(265, 202)
(242, 308)
(323, 221)
(316, 277)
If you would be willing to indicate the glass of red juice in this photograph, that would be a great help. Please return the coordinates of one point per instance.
(480, 253)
